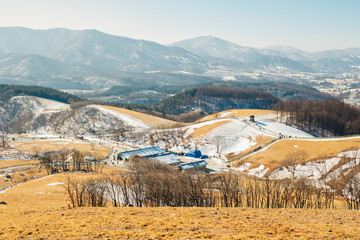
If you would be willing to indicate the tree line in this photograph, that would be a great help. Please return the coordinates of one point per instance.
(69, 160)
(330, 117)
(9, 91)
(282, 90)
(218, 98)
(151, 184)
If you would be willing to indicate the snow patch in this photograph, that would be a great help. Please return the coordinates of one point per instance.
(260, 171)
(55, 183)
(244, 167)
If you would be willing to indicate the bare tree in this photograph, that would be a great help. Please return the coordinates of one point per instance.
(219, 143)
(63, 157)
(3, 139)
(78, 159)
(47, 163)
(292, 159)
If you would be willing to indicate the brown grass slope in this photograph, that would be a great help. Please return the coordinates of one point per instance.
(39, 209)
(146, 118)
(97, 151)
(323, 149)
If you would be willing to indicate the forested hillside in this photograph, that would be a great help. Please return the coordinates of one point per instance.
(8, 91)
(282, 90)
(321, 118)
(210, 98)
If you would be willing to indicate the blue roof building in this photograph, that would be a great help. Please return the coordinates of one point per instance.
(142, 152)
(198, 165)
(194, 153)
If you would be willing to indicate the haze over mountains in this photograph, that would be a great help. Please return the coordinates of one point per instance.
(89, 59)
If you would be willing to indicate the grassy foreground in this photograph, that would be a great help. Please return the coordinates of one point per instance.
(178, 223)
(39, 209)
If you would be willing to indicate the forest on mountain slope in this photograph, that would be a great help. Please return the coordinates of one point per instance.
(210, 98)
(9, 91)
(324, 118)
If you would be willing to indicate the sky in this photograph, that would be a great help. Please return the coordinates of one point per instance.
(311, 25)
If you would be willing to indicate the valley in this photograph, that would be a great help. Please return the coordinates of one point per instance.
(37, 203)
(110, 137)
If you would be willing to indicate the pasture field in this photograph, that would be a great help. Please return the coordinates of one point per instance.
(319, 149)
(39, 209)
(16, 163)
(146, 118)
(97, 151)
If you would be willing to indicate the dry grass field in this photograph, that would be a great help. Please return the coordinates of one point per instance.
(316, 150)
(39, 209)
(146, 118)
(99, 152)
(21, 175)
(16, 163)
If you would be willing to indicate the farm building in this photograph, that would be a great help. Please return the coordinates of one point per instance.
(194, 153)
(198, 165)
(142, 152)
(168, 158)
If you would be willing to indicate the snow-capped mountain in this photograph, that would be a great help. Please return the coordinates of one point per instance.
(209, 46)
(89, 59)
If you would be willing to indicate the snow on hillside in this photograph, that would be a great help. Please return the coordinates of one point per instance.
(236, 136)
(240, 135)
(128, 120)
(280, 128)
(315, 170)
(51, 105)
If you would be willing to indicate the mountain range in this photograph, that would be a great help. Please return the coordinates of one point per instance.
(90, 59)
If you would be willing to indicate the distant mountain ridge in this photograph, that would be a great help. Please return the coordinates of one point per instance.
(284, 56)
(90, 59)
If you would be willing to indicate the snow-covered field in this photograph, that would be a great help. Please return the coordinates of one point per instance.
(279, 128)
(239, 135)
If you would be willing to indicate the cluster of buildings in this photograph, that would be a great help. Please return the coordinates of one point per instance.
(193, 161)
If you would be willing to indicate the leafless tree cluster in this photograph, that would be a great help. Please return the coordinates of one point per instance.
(292, 159)
(91, 192)
(152, 184)
(347, 185)
(327, 117)
(245, 191)
(67, 160)
(169, 138)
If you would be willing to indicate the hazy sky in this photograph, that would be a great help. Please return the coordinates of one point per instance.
(306, 24)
